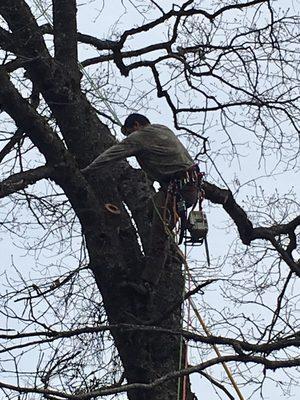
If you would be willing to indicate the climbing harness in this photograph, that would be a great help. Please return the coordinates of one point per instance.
(179, 188)
(193, 227)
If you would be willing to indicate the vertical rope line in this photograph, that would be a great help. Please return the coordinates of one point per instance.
(208, 333)
(217, 351)
(184, 389)
(181, 352)
(175, 237)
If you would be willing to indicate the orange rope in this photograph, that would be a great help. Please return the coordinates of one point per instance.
(165, 208)
(175, 215)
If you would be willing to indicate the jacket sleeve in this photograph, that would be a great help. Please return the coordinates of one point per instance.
(126, 148)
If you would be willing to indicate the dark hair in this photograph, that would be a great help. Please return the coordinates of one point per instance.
(132, 118)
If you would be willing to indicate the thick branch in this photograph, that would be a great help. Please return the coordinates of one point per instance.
(239, 346)
(65, 33)
(24, 27)
(225, 198)
(87, 39)
(59, 86)
(6, 41)
(21, 180)
(245, 226)
(280, 229)
(51, 146)
(12, 142)
(27, 119)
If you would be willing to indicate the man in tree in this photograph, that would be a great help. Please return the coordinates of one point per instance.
(163, 157)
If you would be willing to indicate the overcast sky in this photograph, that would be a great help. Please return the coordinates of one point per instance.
(102, 19)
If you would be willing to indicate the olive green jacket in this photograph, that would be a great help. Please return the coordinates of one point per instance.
(158, 151)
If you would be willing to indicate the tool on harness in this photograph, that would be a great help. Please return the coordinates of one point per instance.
(197, 226)
(193, 227)
(196, 223)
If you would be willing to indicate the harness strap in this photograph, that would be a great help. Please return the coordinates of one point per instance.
(192, 177)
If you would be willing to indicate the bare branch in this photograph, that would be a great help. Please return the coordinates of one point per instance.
(272, 365)
(27, 38)
(84, 38)
(22, 180)
(12, 142)
(240, 347)
(27, 119)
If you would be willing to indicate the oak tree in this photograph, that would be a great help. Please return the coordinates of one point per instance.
(227, 73)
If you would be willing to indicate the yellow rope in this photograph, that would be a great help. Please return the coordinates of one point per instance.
(208, 333)
(217, 351)
(180, 365)
(200, 319)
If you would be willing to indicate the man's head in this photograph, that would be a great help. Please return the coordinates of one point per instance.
(134, 122)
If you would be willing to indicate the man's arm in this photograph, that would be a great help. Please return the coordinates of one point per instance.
(128, 147)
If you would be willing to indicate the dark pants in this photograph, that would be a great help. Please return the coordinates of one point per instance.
(159, 236)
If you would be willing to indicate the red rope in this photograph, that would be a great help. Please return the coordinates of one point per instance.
(189, 324)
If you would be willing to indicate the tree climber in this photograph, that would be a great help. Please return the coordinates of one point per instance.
(163, 157)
